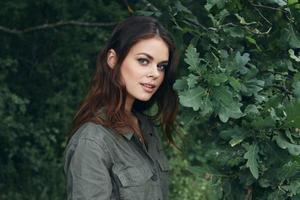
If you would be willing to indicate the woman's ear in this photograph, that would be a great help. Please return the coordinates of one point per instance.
(111, 58)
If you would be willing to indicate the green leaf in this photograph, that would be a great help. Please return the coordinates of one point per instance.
(263, 182)
(228, 133)
(292, 38)
(180, 84)
(252, 157)
(235, 32)
(206, 106)
(293, 56)
(251, 109)
(222, 15)
(293, 188)
(296, 89)
(241, 60)
(293, 149)
(293, 115)
(211, 3)
(227, 107)
(192, 58)
(192, 80)
(278, 2)
(217, 79)
(242, 20)
(261, 122)
(236, 140)
(192, 98)
(145, 13)
(289, 169)
(290, 2)
(253, 86)
(182, 8)
(235, 83)
(253, 41)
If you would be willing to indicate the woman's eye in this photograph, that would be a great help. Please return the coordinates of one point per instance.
(143, 61)
(161, 67)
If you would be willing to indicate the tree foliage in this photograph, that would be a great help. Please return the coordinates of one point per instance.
(44, 73)
(238, 85)
(241, 90)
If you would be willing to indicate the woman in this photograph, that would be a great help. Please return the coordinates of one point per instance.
(114, 151)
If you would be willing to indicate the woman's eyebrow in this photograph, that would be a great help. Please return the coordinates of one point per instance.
(151, 58)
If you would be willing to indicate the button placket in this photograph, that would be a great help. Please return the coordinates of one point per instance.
(154, 177)
(149, 138)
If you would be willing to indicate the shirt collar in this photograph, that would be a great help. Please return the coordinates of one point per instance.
(129, 134)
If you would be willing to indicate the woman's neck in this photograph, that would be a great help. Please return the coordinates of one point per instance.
(129, 104)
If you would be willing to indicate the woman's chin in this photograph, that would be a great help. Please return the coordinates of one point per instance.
(144, 98)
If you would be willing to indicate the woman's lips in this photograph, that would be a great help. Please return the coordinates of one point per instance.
(148, 87)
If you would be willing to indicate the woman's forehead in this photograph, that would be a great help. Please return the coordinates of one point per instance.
(154, 47)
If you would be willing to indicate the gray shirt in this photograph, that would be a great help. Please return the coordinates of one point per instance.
(100, 164)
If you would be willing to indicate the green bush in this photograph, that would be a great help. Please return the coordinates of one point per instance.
(240, 95)
(238, 83)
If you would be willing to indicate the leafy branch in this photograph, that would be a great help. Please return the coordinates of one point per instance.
(281, 9)
(55, 25)
(266, 7)
(263, 16)
(148, 4)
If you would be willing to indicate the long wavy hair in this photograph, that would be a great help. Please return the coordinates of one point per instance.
(107, 90)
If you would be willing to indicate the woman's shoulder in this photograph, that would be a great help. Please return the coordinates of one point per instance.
(88, 143)
(90, 131)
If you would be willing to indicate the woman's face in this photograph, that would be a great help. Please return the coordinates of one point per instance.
(143, 69)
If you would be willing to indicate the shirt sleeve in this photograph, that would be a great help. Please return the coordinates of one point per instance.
(87, 173)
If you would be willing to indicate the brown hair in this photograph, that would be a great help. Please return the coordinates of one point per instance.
(106, 89)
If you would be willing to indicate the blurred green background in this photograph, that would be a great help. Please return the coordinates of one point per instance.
(238, 83)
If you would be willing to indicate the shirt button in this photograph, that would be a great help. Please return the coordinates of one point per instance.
(154, 177)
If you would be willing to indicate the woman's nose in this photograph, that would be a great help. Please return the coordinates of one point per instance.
(154, 72)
